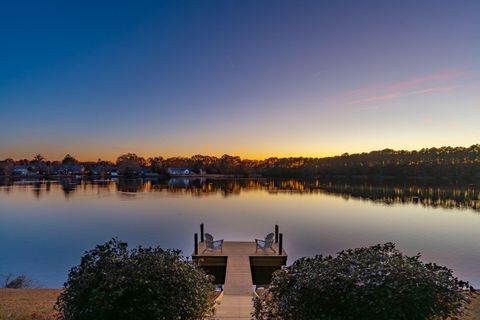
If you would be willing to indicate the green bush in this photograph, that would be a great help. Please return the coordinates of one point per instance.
(378, 282)
(113, 282)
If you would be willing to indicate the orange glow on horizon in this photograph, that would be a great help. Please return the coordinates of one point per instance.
(92, 155)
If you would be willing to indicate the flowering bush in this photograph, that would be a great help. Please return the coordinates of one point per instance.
(377, 282)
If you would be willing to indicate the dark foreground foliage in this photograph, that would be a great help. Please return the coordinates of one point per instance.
(378, 282)
(113, 282)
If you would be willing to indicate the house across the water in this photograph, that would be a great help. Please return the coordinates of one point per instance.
(180, 171)
(23, 170)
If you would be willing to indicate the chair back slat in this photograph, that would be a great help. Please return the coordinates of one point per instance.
(269, 240)
(209, 240)
(268, 243)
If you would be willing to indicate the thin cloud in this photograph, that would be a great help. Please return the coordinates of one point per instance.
(432, 78)
(433, 90)
(388, 96)
(413, 86)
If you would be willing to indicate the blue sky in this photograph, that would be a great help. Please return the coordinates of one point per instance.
(250, 78)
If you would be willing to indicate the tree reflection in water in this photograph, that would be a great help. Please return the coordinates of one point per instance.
(398, 192)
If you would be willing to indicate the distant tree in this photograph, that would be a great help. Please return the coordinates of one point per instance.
(6, 167)
(377, 282)
(113, 282)
(38, 158)
(229, 164)
(17, 282)
(69, 160)
(130, 164)
(156, 164)
(131, 157)
(40, 165)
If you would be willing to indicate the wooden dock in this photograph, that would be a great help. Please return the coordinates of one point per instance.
(238, 258)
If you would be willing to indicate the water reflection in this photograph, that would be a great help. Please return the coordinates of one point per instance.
(458, 197)
(45, 226)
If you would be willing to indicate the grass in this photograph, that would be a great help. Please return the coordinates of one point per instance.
(37, 304)
(33, 304)
(473, 310)
(28, 304)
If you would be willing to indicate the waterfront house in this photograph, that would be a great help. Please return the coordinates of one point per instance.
(24, 171)
(69, 169)
(180, 171)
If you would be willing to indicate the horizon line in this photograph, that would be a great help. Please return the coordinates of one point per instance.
(246, 158)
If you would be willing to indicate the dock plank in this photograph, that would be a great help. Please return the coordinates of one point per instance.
(235, 307)
(238, 278)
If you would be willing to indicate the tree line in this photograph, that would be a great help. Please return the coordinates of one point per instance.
(451, 164)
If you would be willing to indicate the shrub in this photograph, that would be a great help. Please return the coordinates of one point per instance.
(113, 282)
(17, 282)
(377, 282)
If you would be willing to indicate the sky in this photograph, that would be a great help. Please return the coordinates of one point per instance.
(257, 79)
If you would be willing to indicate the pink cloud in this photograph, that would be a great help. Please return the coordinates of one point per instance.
(407, 87)
(437, 77)
(388, 96)
(432, 90)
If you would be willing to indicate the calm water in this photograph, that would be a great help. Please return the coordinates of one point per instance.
(46, 226)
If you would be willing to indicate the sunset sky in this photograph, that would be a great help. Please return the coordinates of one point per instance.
(249, 78)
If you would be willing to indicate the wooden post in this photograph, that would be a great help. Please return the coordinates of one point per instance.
(276, 233)
(195, 239)
(280, 244)
(202, 236)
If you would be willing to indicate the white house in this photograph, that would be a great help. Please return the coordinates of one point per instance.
(21, 171)
(179, 171)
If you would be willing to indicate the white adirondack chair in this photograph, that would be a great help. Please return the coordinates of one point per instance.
(265, 244)
(210, 244)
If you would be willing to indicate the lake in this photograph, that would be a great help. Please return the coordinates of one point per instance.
(45, 226)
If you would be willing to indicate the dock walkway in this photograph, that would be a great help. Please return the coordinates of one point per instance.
(238, 288)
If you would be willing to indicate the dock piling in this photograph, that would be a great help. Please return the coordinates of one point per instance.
(280, 244)
(195, 239)
(276, 233)
(202, 235)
